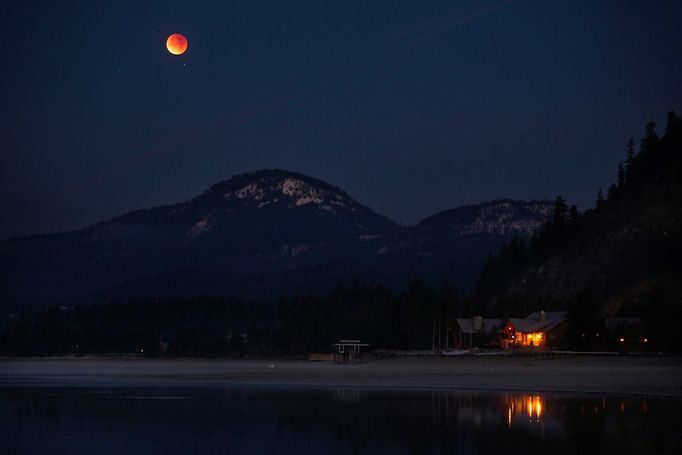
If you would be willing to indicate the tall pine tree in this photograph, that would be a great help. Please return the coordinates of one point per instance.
(600, 198)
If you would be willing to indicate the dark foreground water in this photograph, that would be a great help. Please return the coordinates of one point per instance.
(271, 420)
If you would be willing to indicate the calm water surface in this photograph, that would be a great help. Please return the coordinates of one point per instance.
(271, 420)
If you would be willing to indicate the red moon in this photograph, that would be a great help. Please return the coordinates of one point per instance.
(176, 44)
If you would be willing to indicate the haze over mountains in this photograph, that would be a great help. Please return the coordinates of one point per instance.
(265, 222)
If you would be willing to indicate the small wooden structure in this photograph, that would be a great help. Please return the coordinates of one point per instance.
(348, 351)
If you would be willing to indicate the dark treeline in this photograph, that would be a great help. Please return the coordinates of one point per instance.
(197, 326)
(415, 319)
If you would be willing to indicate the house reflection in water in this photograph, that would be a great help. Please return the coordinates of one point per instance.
(524, 408)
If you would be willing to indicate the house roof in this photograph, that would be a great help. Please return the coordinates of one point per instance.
(487, 325)
(549, 315)
(534, 323)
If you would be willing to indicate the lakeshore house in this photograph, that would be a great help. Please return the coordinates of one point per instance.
(476, 331)
(538, 329)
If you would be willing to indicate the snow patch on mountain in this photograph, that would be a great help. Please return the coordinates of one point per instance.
(251, 191)
(305, 194)
(266, 203)
(504, 217)
(295, 191)
(201, 227)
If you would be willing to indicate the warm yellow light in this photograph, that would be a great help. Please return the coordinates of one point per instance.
(622, 340)
(538, 407)
(530, 406)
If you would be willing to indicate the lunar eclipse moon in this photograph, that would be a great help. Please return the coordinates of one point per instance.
(176, 44)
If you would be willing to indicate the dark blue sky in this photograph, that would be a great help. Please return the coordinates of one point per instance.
(412, 107)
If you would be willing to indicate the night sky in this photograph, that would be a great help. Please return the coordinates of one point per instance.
(412, 107)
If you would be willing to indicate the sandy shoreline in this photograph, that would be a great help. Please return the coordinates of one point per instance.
(654, 376)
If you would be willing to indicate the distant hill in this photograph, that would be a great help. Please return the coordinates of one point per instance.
(624, 255)
(265, 222)
(500, 217)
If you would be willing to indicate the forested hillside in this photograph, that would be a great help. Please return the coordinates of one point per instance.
(621, 257)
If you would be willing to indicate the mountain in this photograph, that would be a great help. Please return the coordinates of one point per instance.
(266, 220)
(269, 221)
(469, 233)
(504, 217)
(623, 256)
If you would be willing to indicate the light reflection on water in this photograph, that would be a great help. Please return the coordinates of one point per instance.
(339, 420)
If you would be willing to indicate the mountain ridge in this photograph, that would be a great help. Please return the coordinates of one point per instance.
(262, 221)
(466, 219)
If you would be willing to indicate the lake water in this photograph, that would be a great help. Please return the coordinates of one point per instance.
(346, 420)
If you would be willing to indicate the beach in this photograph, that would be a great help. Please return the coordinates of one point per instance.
(639, 375)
